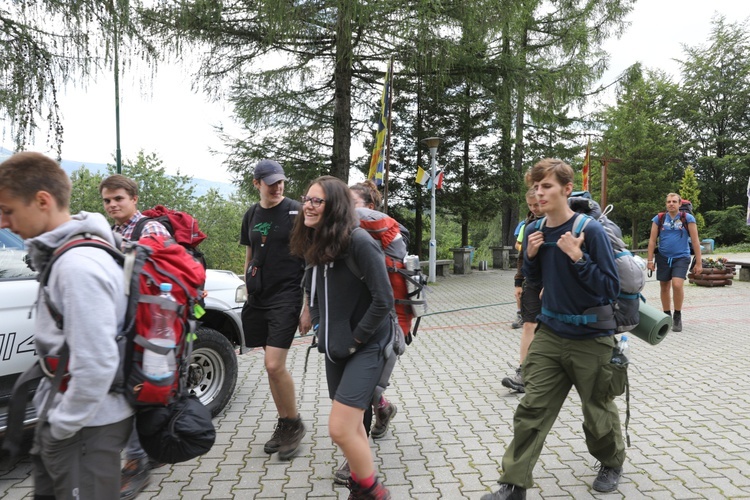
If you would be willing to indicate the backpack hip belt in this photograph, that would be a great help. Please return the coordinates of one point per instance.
(599, 317)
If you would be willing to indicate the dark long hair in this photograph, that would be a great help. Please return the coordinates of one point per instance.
(330, 240)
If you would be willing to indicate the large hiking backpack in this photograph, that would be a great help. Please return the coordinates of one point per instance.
(181, 225)
(630, 271)
(407, 280)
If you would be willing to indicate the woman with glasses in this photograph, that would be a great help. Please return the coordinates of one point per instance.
(353, 315)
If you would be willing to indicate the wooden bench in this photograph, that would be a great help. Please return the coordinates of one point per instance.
(744, 265)
(442, 266)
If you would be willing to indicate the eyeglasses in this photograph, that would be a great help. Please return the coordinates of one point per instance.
(314, 201)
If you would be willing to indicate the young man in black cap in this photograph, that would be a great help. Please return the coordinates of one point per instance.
(274, 308)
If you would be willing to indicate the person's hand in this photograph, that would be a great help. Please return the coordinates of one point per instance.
(519, 290)
(698, 267)
(305, 324)
(571, 245)
(651, 266)
(534, 242)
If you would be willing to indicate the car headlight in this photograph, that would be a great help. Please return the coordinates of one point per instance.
(240, 295)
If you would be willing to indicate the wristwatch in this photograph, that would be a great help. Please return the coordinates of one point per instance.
(582, 260)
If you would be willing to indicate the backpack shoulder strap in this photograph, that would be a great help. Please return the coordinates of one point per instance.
(540, 223)
(138, 229)
(80, 240)
(580, 222)
(351, 264)
(661, 216)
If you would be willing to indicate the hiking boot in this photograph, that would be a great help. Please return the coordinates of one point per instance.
(375, 492)
(293, 432)
(506, 491)
(134, 477)
(518, 323)
(607, 479)
(514, 382)
(342, 475)
(677, 323)
(383, 417)
(272, 446)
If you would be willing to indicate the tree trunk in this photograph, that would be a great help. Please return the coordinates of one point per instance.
(342, 116)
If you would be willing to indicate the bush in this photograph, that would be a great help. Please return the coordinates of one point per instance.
(727, 227)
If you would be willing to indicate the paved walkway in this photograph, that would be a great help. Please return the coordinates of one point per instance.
(690, 404)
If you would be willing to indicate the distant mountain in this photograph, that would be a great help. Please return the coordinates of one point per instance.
(202, 186)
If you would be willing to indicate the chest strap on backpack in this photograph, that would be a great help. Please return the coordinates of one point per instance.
(600, 317)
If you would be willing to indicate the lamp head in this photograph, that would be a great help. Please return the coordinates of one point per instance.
(432, 142)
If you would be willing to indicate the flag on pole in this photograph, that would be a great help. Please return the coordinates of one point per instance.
(439, 181)
(377, 163)
(421, 176)
(587, 166)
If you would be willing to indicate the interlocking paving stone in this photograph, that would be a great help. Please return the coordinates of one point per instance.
(690, 423)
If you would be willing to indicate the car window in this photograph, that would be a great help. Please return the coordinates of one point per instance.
(13, 257)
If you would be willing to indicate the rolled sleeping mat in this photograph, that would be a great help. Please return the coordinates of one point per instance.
(654, 324)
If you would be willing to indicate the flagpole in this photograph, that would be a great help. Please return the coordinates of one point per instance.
(388, 136)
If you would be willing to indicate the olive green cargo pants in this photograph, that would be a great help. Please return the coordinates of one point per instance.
(554, 365)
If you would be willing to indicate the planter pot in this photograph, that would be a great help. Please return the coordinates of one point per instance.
(712, 277)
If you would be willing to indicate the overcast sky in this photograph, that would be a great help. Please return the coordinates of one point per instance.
(177, 124)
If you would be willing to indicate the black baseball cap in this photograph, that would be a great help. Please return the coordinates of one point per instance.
(269, 172)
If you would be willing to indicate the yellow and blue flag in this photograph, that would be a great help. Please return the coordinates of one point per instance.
(377, 163)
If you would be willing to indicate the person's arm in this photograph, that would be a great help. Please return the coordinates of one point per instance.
(693, 230)
(305, 322)
(650, 265)
(94, 354)
(369, 258)
(248, 257)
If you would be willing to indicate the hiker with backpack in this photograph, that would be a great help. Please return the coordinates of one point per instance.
(529, 295)
(580, 280)
(355, 328)
(120, 198)
(367, 199)
(675, 230)
(83, 427)
(274, 308)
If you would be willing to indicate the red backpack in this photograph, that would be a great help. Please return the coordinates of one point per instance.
(148, 263)
(181, 225)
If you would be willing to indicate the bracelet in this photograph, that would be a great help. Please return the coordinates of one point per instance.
(651, 262)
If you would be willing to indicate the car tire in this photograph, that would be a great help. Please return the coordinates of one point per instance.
(212, 374)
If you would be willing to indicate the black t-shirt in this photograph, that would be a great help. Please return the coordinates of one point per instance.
(267, 234)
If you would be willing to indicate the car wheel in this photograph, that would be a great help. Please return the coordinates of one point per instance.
(212, 374)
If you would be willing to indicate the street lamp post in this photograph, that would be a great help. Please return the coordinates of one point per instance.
(432, 143)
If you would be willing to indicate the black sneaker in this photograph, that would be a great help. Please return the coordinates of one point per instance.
(518, 323)
(383, 417)
(677, 323)
(343, 475)
(293, 432)
(507, 492)
(514, 382)
(134, 477)
(607, 479)
(272, 446)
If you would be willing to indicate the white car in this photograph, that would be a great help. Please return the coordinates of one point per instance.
(213, 365)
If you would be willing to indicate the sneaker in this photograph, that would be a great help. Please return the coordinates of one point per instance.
(293, 432)
(514, 382)
(272, 446)
(518, 323)
(677, 323)
(507, 491)
(383, 417)
(607, 479)
(342, 475)
(375, 492)
(153, 464)
(134, 477)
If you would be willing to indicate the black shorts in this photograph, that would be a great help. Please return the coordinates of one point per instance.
(273, 327)
(666, 269)
(352, 381)
(531, 304)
